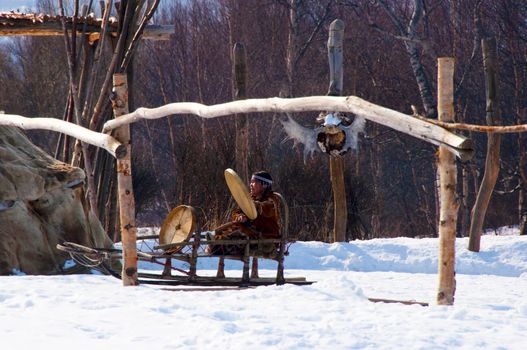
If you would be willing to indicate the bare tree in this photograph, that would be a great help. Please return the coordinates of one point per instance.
(412, 42)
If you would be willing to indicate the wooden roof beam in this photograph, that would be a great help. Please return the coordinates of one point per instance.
(16, 24)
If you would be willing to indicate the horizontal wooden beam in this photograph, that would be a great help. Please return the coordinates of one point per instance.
(151, 32)
(497, 129)
(16, 24)
(107, 142)
(424, 130)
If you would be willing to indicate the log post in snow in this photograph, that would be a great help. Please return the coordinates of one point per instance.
(124, 184)
(447, 177)
(492, 162)
(336, 166)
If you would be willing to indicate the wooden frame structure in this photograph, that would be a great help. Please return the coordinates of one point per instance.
(424, 129)
(435, 132)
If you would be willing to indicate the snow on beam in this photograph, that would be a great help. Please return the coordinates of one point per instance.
(422, 129)
(105, 141)
(15, 24)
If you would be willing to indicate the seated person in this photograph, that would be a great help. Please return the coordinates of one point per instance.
(265, 225)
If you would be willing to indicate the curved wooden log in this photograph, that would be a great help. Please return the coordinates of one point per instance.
(459, 145)
(105, 141)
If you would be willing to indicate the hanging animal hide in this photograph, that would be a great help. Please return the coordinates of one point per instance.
(332, 137)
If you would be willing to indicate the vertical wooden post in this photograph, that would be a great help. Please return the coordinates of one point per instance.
(340, 207)
(242, 129)
(124, 184)
(195, 248)
(336, 166)
(240, 93)
(492, 162)
(336, 58)
(447, 177)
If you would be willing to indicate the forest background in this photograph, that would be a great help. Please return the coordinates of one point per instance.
(390, 181)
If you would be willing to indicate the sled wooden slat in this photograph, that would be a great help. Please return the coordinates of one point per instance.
(149, 278)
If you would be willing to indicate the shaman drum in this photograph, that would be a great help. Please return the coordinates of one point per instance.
(178, 227)
(240, 193)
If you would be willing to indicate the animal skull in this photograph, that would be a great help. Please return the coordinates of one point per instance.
(335, 136)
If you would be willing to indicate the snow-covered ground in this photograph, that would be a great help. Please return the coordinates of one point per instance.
(96, 312)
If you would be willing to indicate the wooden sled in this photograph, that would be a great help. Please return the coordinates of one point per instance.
(179, 240)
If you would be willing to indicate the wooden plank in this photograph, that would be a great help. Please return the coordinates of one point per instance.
(390, 301)
(214, 278)
(149, 278)
(207, 289)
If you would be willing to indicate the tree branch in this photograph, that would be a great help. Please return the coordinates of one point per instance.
(398, 24)
(304, 47)
(477, 128)
(109, 73)
(416, 17)
(137, 35)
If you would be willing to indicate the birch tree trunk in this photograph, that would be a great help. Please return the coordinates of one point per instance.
(448, 201)
(492, 163)
(125, 187)
(411, 43)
